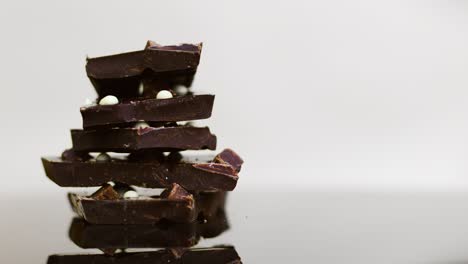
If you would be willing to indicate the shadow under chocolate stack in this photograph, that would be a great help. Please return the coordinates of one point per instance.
(141, 97)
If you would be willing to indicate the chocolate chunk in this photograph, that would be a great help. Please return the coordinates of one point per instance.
(176, 192)
(163, 66)
(106, 192)
(72, 155)
(144, 171)
(182, 108)
(223, 169)
(213, 255)
(131, 139)
(145, 210)
(228, 156)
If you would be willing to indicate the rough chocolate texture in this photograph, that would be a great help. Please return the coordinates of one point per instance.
(214, 255)
(228, 156)
(176, 192)
(87, 235)
(157, 67)
(181, 108)
(132, 139)
(150, 169)
(222, 169)
(146, 210)
(106, 192)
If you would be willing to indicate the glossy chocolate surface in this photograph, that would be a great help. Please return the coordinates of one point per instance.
(180, 108)
(146, 209)
(156, 67)
(150, 170)
(133, 139)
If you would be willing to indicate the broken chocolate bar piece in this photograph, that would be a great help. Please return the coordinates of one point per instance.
(223, 169)
(182, 108)
(228, 156)
(106, 192)
(145, 169)
(176, 192)
(132, 139)
(213, 255)
(156, 67)
(87, 235)
(146, 209)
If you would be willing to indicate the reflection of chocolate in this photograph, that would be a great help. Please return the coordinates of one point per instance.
(182, 108)
(213, 255)
(146, 169)
(157, 67)
(147, 209)
(132, 139)
(87, 235)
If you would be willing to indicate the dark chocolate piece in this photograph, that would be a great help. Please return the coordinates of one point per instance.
(182, 108)
(106, 192)
(228, 156)
(213, 255)
(145, 170)
(132, 139)
(157, 67)
(176, 192)
(223, 169)
(72, 155)
(146, 210)
(87, 235)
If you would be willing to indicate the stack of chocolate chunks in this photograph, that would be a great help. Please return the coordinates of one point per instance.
(145, 109)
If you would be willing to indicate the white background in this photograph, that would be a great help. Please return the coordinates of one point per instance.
(318, 94)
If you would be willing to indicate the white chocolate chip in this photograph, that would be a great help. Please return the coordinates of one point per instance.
(109, 100)
(141, 125)
(103, 157)
(141, 89)
(180, 89)
(130, 194)
(111, 183)
(164, 94)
